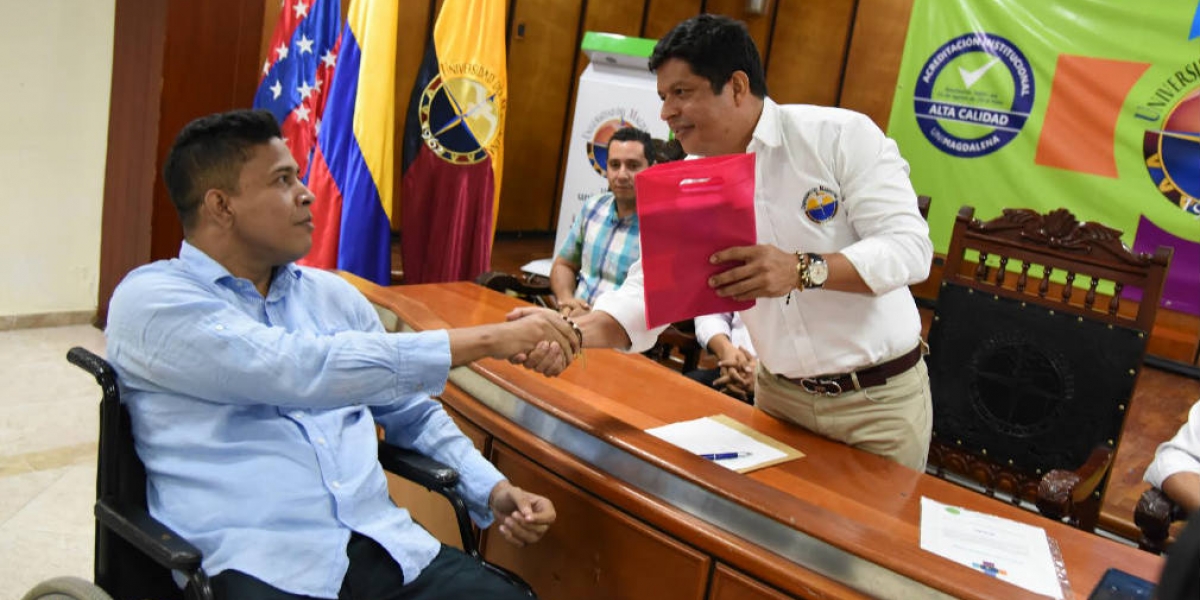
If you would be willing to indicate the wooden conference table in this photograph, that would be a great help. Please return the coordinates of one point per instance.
(642, 519)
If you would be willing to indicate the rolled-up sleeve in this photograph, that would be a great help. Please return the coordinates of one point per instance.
(894, 249)
(708, 326)
(1179, 454)
(627, 305)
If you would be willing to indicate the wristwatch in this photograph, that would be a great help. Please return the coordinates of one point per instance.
(813, 271)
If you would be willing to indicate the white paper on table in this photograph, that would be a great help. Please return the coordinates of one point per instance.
(710, 435)
(1007, 550)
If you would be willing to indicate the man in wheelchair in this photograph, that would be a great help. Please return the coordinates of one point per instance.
(254, 388)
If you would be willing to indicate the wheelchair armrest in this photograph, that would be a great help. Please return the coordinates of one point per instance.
(436, 477)
(416, 467)
(148, 535)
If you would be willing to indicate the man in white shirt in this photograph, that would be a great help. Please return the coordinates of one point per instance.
(1176, 466)
(840, 238)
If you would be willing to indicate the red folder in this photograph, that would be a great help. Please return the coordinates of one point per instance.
(687, 210)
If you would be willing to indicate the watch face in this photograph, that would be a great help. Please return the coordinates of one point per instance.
(818, 271)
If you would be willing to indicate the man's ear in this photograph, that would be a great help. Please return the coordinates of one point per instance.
(740, 83)
(217, 207)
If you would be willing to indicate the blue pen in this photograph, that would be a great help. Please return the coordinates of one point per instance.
(725, 455)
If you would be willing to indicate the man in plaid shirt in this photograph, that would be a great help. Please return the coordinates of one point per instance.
(603, 241)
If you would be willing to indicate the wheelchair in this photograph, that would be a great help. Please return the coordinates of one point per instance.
(135, 554)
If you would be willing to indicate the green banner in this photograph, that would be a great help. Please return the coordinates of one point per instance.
(1090, 105)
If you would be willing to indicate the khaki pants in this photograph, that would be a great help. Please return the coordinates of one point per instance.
(893, 420)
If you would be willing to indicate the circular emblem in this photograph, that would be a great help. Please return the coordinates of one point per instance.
(460, 117)
(973, 95)
(597, 145)
(1017, 386)
(1173, 154)
(820, 204)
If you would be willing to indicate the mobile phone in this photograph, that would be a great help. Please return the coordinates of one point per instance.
(1119, 585)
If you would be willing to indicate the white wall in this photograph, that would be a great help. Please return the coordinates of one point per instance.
(55, 75)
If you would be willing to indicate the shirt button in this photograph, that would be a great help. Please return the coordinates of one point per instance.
(220, 328)
(320, 441)
(337, 485)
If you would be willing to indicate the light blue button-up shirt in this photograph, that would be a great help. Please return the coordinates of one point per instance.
(256, 417)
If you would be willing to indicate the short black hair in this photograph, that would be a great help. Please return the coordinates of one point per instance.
(668, 150)
(714, 46)
(209, 154)
(633, 134)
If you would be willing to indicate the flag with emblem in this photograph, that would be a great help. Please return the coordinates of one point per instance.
(351, 173)
(453, 145)
(297, 71)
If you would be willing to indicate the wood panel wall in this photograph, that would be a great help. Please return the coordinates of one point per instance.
(834, 52)
(806, 47)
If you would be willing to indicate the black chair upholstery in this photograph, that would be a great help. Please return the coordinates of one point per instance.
(135, 553)
(1032, 379)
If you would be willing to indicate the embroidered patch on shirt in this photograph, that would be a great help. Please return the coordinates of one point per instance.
(820, 204)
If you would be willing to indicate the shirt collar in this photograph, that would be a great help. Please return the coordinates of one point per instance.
(208, 269)
(767, 130)
(613, 216)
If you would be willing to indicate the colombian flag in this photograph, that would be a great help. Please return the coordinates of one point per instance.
(351, 174)
(453, 145)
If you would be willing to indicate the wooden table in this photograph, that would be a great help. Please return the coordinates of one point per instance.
(640, 518)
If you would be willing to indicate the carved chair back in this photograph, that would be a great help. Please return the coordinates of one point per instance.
(1035, 346)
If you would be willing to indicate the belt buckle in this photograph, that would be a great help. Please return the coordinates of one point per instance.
(827, 387)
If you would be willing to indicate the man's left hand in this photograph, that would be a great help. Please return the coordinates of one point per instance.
(523, 517)
(766, 272)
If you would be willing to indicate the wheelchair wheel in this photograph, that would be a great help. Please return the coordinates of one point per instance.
(66, 588)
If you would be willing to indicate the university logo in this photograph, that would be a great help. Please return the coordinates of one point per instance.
(973, 95)
(602, 128)
(461, 115)
(820, 204)
(1172, 147)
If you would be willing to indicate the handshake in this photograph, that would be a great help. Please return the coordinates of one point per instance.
(539, 338)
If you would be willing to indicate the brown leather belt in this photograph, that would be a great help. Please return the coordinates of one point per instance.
(833, 385)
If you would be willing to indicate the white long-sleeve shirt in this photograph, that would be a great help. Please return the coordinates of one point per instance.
(805, 153)
(1178, 454)
(730, 324)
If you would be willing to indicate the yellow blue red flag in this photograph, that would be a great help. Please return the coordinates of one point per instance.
(453, 145)
(351, 174)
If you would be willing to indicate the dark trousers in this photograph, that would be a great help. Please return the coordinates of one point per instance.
(374, 575)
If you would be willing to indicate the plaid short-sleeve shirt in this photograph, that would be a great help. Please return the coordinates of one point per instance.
(603, 245)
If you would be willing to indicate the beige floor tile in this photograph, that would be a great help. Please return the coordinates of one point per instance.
(40, 427)
(65, 506)
(18, 490)
(29, 557)
(51, 535)
(48, 432)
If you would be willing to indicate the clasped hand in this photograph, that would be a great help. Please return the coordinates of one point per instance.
(737, 374)
(523, 517)
(542, 340)
(573, 307)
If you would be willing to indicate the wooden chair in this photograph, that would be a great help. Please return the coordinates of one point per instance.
(677, 347)
(1154, 515)
(1032, 377)
(534, 292)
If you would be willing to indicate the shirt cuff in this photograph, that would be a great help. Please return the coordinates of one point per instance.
(422, 361)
